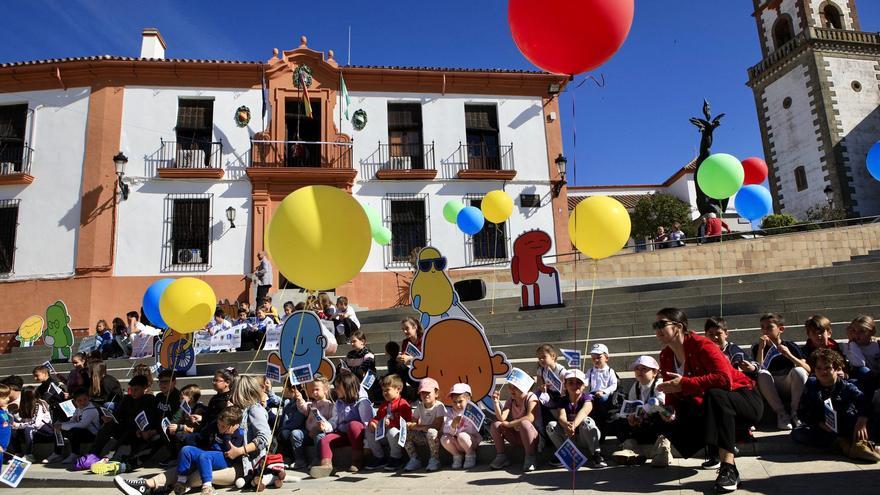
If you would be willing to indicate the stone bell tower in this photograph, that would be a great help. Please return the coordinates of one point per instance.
(817, 91)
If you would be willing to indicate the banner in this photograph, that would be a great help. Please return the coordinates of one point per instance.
(273, 337)
(142, 345)
(228, 339)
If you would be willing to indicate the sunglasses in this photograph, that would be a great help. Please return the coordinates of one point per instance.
(661, 324)
(439, 264)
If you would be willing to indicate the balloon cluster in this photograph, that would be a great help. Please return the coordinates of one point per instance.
(381, 234)
(721, 176)
(185, 304)
(496, 207)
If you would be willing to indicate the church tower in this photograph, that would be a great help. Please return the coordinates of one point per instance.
(817, 91)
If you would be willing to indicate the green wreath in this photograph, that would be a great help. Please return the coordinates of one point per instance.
(302, 73)
(242, 116)
(359, 119)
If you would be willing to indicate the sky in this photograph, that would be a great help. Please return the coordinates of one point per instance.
(634, 130)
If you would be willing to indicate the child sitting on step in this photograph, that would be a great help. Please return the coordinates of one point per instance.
(351, 412)
(317, 410)
(425, 427)
(79, 429)
(572, 419)
(518, 421)
(863, 354)
(461, 437)
(638, 424)
(601, 383)
(392, 410)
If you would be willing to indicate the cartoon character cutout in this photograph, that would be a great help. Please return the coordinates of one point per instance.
(432, 292)
(58, 333)
(527, 268)
(177, 352)
(302, 342)
(30, 330)
(456, 351)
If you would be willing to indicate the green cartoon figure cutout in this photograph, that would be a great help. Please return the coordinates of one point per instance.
(58, 333)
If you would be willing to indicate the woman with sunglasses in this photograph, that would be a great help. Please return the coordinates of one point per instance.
(710, 398)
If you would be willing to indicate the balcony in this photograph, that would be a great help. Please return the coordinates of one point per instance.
(484, 161)
(15, 162)
(299, 163)
(190, 160)
(411, 161)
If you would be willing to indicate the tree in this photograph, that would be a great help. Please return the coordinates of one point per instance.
(823, 212)
(660, 210)
(775, 223)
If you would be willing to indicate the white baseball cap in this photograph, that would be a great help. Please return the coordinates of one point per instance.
(574, 373)
(459, 388)
(646, 361)
(599, 349)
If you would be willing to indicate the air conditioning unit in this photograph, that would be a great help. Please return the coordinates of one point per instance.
(401, 162)
(190, 158)
(189, 256)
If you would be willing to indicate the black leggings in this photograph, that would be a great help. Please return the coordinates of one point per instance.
(718, 417)
(77, 437)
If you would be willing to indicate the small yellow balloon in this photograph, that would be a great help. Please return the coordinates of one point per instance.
(187, 304)
(319, 237)
(497, 206)
(599, 226)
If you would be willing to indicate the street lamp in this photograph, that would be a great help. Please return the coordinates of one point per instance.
(829, 193)
(230, 215)
(120, 160)
(561, 163)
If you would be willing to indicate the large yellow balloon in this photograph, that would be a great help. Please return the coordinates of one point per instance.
(319, 237)
(187, 304)
(497, 206)
(599, 226)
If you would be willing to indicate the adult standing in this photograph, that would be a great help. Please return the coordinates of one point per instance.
(709, 397)
(263, 277)
(714, 226)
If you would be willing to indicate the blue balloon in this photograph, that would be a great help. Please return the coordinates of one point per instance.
(753, 202)
(151, 302)
(470, 220)
(873, 160)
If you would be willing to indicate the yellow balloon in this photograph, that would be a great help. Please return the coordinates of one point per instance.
(319, 237)
(599, 226)
(187, 304)
(497, 206)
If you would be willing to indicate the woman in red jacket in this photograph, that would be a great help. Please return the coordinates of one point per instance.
(706, 392)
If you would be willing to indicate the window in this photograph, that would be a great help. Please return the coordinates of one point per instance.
(195, 130)
(832, 16)
(490, 243)
(8, 226)
(188, 232)
(405, 136)
(481, 127)
(409, 218)
(13, 124)
(786, 103)
(304, 131)
(856, 86)
(800, 178)
(783, 31)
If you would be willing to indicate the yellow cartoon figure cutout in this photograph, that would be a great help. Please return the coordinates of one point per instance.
(432, 292)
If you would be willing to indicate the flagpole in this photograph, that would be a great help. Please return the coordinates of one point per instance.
(349, 46)
(340, 101)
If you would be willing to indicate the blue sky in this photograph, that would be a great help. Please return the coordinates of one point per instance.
(634, 130)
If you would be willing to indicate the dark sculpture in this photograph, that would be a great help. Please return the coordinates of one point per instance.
(707, 126)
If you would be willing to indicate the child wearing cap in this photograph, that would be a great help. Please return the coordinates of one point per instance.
(425, 426)
(519, 421)
(643, 425)
(602, 383)
(460, 436)
(573, 420)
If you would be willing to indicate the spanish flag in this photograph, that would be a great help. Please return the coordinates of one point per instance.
(307, 105)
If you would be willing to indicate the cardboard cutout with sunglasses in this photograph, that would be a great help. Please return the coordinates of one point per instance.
(432, 292)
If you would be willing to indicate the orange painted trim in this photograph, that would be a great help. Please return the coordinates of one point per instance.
(446, 82)
(406, 174)
(559, 204)
(191, 173)
(16, 179)
(487, 174)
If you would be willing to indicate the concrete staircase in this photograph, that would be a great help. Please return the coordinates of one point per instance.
(621, 318)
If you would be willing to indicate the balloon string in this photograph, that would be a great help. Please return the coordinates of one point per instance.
(590, 317)
(495, 272)
(576, 254)
(721, 278)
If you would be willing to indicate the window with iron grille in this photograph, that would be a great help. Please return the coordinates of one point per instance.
(405, 134)
(481, 128)
(490, 243)
(13, 125)
(188, 232)
(195, 124)
(800, 178)
(409, 219)
(8, 227)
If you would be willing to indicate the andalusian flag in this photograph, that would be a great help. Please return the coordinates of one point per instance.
(345, 99)
(307, 104)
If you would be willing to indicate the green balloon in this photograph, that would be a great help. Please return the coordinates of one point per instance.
(720, 176)
(382, 236)
(374, 217)
(451, 209)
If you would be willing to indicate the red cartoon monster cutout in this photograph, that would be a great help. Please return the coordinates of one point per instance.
(527, 267)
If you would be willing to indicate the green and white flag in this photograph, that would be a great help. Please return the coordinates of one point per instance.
(345, 99)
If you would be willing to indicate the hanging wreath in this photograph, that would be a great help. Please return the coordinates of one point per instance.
(242, 116)
(359, 119)
(302, 73)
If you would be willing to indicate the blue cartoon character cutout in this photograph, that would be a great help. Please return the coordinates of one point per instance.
(302, 342)
(432, 292)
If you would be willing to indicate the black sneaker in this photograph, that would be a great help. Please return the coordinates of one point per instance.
(728, 478)
(131, 487)
(394, 464)
(598, 460)
(375, 463)
(711, 463)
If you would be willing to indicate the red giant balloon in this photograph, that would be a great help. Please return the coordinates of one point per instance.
(569, 36)
(756, 170)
